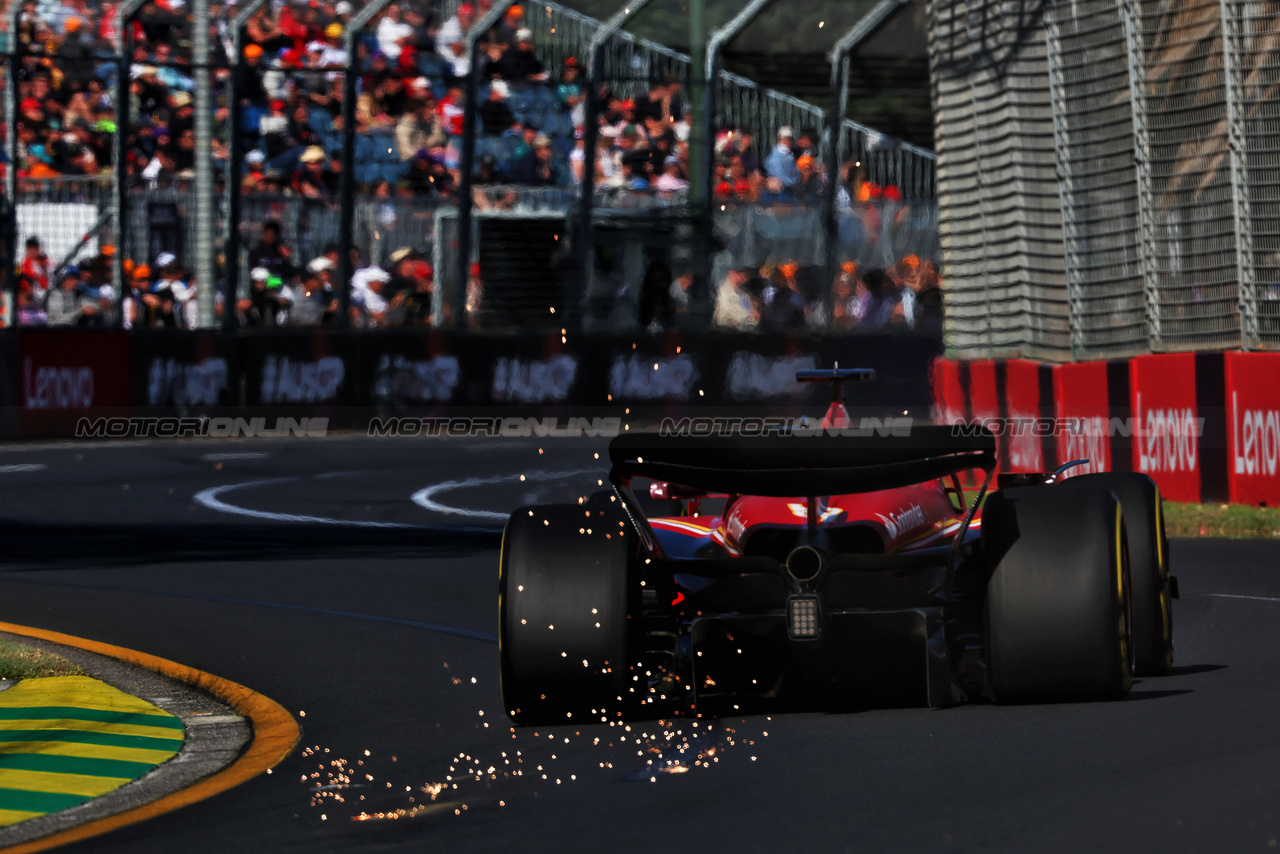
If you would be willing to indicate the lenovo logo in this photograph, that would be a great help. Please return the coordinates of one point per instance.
(1169, 439)
(50, 387)
(1256, 435)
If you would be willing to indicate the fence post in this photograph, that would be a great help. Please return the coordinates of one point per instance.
(128, 11)
(1136, 55)
(471, 105)
(591, 135)
(1246, 292)
(13, 60)
(347, 187)
(206, 208)
(1066, 182)
(235, 166)
(701, 169)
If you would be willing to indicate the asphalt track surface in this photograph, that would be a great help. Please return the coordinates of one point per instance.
(307, 571)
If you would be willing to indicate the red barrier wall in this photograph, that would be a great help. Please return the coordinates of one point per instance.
(1080, 405)
(1166, 430)
(1253, 427)
(1024, 444)
(948, 392)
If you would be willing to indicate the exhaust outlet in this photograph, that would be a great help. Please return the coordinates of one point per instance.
(804, 563)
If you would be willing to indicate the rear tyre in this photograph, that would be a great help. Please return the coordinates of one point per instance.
(1152, 626)
(566, 597)
(1057, 605)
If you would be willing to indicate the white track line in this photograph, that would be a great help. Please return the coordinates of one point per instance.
(20, 467)
(1239, 596)
(425, 498)
(244, 455)
(209, 498)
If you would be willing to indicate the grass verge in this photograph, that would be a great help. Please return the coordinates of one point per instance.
(1236, 521)
(18, 661)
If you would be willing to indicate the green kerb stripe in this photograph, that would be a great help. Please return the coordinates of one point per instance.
(71, 713)
(116, 768)
(16, 799)
(85, 736)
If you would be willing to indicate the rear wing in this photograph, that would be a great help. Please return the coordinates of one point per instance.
(784, 464)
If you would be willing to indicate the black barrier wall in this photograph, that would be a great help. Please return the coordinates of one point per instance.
(352, 377)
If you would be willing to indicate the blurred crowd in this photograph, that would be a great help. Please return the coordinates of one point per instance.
(284, 290)
(409, 116)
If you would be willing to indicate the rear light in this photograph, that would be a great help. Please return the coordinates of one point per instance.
(803, 617)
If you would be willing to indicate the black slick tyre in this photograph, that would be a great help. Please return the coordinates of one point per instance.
(1057, 604)
(1152, 625)
(566, 597)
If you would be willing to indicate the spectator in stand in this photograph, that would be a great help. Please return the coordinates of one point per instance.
(139, 301)
(29, 311)
(734, 307)
(512, 22)
(737, 185)
(781, 162)
(519, 63)
(418, 129)
(66, 306)
(270, 254)
(368, 306)
(451, 41)
(313, 179)
(36, 267)
(475, 297)
(811, 186)
(672, 180)
(393, 32)
(496, 115)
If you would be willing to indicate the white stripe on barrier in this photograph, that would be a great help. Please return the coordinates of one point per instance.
(1240, 596)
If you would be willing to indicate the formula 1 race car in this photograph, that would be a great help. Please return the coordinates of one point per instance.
(842, 562)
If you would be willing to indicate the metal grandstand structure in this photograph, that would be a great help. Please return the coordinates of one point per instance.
(1109, 175)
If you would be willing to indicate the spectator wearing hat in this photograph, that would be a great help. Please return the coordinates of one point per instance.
(672, 179)
(781, 162)
(139, 301)
(368, 306)
(66, 306)
(267, 303)
(519, 63)
(810, 188)
(75, 54)
(313, 179)
(420, 303)
(495, 113)
(451, 41)
(512, 22)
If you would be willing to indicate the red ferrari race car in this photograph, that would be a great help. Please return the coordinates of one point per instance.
(836, 562)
